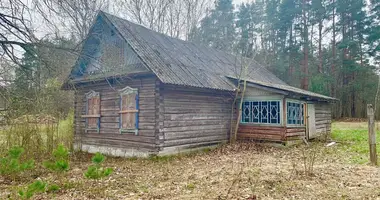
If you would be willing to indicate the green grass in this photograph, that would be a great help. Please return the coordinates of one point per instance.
(353, 139)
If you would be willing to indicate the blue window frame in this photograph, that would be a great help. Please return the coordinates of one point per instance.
(295, 113)
(261, 112)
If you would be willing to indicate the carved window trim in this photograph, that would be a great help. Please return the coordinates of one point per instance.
(122, 93)
(91, 95)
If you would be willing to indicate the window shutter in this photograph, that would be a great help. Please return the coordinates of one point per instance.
(95, 111)
(129, 110)
(92, 111)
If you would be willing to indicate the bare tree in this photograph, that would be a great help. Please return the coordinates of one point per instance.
(15, 29)
(172, 17)
(77, 15)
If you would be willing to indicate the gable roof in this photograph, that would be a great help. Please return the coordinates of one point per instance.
(179, 62)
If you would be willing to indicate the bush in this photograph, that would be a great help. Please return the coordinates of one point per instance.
(95, 171)
(11, 164)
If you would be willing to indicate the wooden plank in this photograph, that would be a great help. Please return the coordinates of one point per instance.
(292, 130)
(193, 128)
(128, 111)
(90, 116)
(260, 131)
(176, 142)
(262, 127)
(260, 137)
(193, 134)
(122, 137)
(169, 124)
(303, 133)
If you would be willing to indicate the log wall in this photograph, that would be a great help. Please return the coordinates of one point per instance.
(108, 135)
(194, 117)
(323, 118)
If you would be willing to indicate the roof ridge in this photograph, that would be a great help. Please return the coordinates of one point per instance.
(178, 39)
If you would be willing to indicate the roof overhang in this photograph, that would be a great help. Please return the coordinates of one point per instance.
(288, 91)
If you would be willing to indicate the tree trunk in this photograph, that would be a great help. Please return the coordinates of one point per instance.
(291, 53)
(333, 85)
(320, 26)
(305, 63)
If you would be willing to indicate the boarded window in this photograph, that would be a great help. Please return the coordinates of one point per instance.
(129, 110)
(92, 111)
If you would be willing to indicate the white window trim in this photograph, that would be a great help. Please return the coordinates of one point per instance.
(304, 113)
(264, 99)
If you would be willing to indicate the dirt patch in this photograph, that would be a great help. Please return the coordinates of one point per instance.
(240, 171)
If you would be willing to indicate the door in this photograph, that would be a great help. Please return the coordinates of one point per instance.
(312, 132)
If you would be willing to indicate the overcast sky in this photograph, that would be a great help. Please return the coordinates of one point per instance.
(237, 2)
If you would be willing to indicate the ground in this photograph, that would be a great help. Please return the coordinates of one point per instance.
(239, 171)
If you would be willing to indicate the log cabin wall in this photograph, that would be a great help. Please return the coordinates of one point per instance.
(108, 139)
(194, 117)
(323, 118)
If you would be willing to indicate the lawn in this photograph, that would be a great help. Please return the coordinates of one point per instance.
(239, 171)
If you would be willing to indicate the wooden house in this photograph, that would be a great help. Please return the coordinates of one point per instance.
(139, 92)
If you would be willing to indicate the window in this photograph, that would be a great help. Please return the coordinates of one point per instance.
(295, 113)
(129, 110)
(261, 112)
(92, 111)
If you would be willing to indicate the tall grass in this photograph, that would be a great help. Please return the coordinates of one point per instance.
(37, 138)
(353, 138)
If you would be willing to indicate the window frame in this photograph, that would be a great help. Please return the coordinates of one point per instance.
(90, 95)
(280, 111)
(304, 104)
(126, 91)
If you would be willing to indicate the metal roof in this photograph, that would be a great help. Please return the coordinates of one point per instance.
(179, 62)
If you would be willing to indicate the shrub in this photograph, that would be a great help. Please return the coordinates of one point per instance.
(60, 161)
(11, 164)
(96, 171)
(33, 188)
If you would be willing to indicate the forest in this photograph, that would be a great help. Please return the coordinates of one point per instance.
(325, 46)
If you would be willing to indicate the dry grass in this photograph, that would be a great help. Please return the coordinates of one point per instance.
(236, 171)
(239, 171)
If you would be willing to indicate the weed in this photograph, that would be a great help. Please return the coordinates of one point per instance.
(53, 188)
(190, 186)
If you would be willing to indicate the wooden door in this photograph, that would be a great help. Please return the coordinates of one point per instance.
(312, 131)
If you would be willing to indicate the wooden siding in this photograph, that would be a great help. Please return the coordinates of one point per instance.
(256, 132)
(109, 134)
(195, 117)
(270, 133)
(323, 118)
(295, 133)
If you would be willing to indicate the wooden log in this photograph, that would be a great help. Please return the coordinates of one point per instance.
(193, 134)
(260, 131)
(177, 142)
(303, 133)
(260, 137)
